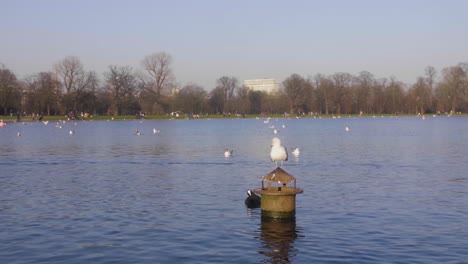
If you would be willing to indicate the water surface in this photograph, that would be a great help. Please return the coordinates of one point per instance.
(389, 190)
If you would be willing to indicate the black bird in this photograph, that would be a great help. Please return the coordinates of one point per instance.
(253, 200)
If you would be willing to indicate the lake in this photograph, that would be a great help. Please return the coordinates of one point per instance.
(389, 190)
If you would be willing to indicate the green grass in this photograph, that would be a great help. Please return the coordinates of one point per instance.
(162, 117)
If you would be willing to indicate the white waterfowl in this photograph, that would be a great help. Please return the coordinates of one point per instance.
(278, 152)
(228, 153)
(296, 152)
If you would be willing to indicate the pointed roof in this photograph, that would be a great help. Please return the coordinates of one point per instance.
(278, 175)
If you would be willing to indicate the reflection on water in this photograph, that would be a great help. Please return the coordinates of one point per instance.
(278, 236)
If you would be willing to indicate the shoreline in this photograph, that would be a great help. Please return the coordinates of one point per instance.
(13, 119)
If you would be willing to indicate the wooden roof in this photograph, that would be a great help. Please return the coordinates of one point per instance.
(278, 175)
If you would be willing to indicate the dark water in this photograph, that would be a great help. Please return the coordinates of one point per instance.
(391, 190)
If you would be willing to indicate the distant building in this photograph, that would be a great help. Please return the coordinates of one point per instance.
(264, 85)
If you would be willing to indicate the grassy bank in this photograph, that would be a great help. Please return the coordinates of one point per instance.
(167, 117)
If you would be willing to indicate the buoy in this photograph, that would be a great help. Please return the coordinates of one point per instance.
(277, 199)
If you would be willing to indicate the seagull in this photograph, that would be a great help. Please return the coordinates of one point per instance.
(347, 128)
(45, 122)
(253, 200)
(278, 152)
(138, 133)
(296, 152)
(71, 132)
(18, 134)
(155, 131)
(228, 153)
(275, 131)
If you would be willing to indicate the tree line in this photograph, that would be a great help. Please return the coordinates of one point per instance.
(153, 89)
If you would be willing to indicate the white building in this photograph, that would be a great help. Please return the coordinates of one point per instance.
(264, 85)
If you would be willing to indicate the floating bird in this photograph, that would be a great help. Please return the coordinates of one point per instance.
(18, 134)
(71, 132)
(253, 200)
(155, 131)
(347, 128)
(283, 126)
(137, 133)
(278, 152)
(228, 153)
(296, 152)
(275, 131)
(45, 122)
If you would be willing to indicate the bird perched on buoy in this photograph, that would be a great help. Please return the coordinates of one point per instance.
(228, 153)
(252, 200)
(278, 152)
(296, 152)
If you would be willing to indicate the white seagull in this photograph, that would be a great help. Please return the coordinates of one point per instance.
(138, 133)
(71, 132)
(347, 128)
(228, 153)
(296, 152)
(155, 131)
(278, 152)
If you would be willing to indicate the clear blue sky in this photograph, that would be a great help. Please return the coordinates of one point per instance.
(243, 38)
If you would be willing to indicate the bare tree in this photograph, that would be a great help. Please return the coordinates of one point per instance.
(419, 96)
(48, 92)
(75, 80)
(121, 85)
(191, 99)
(326, 93)
(9, 92)
(216, 100)
(158, 66)
(342, 82)
(431, 74)
(451, 89)
(295, 87)
(228, 85)
(365, 93)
